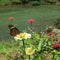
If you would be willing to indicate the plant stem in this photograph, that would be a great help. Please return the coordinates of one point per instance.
(29, 57)
(53, 57)
(24, 47)
(31, 24)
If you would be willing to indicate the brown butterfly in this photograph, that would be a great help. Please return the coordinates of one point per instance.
(13, 30)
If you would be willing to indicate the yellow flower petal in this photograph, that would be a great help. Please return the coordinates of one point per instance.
(30, 51)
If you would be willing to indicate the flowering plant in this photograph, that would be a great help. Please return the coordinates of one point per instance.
(11, 18)
(35, 45)
(22, 36)
(30, 51)
(31, 23)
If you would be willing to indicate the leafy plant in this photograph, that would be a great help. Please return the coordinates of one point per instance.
(57, 23)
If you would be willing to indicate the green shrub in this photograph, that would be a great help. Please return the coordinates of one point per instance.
(51, 1)
(35, 3)
(5, 2)
(49, 29)
(57, 23)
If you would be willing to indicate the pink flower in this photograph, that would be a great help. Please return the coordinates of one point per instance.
(56, 46)
(11, 18)
(50, 33)
(31, 20)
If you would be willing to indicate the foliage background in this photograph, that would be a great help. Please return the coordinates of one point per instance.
(9, 2)
(44, 16)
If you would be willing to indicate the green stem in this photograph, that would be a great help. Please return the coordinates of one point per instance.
(29, 57)
(53, 57)
(24, 48)
(31, 24)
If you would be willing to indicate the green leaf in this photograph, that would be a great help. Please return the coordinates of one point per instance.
(40, 45)
(38, 58)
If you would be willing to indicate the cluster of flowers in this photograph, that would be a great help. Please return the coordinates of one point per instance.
(55, 45)
(24, 36)
(39, 43)
(44, 44)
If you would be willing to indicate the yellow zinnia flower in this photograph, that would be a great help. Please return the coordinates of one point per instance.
(22, 36)
(30, 51)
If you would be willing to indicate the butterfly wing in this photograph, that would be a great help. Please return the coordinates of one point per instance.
(14, 32)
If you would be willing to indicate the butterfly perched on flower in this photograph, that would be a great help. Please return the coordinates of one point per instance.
(13, 30)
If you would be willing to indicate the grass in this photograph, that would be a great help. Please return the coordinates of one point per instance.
(7, 48)
(44, 16)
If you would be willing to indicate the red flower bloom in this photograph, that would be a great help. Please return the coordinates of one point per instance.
(31, 20)
(56, 46)
(50, 33)
(11, 18)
